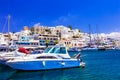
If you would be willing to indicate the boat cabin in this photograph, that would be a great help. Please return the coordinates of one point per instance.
(57, 51)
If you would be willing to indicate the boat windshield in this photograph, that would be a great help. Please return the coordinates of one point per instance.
(47, 50)
(58, 50)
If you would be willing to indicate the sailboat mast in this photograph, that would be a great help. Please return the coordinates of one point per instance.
(90, 35)
(97, 36)
(8, 30)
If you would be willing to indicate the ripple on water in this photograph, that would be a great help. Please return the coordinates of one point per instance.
(100, 65)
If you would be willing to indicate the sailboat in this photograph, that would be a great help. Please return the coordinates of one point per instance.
(20, 52)
(4, 56)
(98, 43)
(91, 46)
(4, 44)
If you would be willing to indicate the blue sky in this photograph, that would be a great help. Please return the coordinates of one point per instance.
(78, 13)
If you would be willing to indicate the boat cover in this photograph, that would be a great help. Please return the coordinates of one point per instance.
(23, 50)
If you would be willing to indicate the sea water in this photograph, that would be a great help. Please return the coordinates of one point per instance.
(100, 65)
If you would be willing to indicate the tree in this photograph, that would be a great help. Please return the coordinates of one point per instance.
(48, 30)
(32, 30)
(31, 33)
(46, 43)
(56, 42)
(79, 30)
(69, 26)
(75, 36)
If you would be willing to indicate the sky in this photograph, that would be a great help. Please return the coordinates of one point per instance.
(102, 15)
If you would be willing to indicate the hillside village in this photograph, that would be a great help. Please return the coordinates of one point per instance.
(48, 36)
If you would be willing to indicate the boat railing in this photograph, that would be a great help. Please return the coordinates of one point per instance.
(76, 56)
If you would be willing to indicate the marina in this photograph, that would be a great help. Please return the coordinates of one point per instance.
(99, 65)
(57, 50)
(59, 39)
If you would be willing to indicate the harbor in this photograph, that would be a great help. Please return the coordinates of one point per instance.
(59, 40)
(58, 49)
(99, 65)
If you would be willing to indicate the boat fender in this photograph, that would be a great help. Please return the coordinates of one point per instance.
(43, 63)
(82, 64)
(62, 63)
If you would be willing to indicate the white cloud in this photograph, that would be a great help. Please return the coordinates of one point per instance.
(114, 35)
(65, 19)
(37, 24)
(61, 19)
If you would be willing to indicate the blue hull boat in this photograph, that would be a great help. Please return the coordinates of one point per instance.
(55, 57)
(45, 64)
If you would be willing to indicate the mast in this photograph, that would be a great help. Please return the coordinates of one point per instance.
(97, 36)
(8, 29)
(90, 35)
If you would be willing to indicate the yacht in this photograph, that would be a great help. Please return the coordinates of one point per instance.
(55, 57)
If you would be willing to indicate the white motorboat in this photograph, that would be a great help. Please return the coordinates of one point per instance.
(55, 57)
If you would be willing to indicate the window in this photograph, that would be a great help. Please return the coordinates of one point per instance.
(36, 43)
(58, 50)
(63, 50)
(69, 42)
(47, 50)
(65, 42)
(46, 57)
(31, 43)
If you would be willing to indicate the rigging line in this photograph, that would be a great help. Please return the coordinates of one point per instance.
(13, 24)
(4, 26)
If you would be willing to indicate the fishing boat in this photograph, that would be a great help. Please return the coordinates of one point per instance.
(55, 57)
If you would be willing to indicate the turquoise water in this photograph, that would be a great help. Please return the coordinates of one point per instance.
(100, 65)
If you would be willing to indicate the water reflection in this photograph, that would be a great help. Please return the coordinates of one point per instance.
(5, 72)
(61, 74)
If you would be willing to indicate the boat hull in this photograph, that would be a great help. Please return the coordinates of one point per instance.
(44, 64)
(89, 49)
(2, 62)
